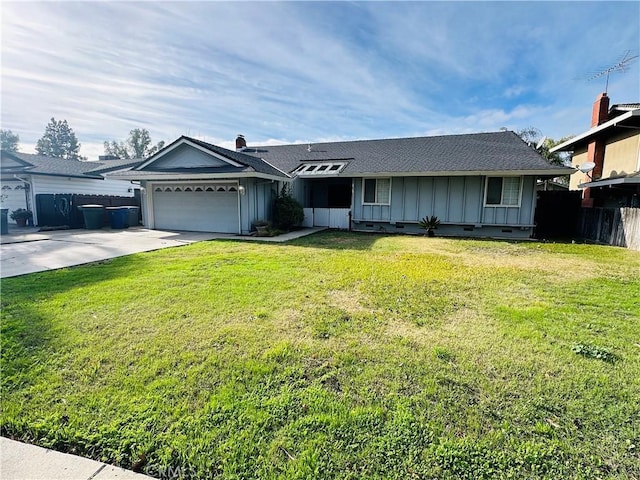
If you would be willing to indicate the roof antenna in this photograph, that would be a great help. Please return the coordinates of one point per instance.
(622, 66)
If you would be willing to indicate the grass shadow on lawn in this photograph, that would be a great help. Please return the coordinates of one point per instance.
(29, 335)
(339, 240)
(362, 241)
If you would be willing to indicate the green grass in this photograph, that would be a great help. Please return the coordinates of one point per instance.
(334, 356)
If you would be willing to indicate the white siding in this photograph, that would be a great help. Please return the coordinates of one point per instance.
(15, 197)
(84, 186)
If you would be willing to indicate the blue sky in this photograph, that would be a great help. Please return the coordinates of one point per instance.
(309, 72)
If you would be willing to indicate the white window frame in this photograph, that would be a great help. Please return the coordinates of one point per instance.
(501, 204)
(376, 192)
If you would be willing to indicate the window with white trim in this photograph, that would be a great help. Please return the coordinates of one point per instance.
(376, 191)
(503, 191)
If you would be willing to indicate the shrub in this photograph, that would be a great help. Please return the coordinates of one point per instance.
(21, 213)
(287, 212)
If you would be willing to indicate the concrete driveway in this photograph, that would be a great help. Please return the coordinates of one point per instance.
(27, 251)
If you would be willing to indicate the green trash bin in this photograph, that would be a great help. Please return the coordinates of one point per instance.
(133, 213)
(93, 216)
(4, 221)
(118, 217)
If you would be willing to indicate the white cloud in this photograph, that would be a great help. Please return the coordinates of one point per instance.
(294, 71)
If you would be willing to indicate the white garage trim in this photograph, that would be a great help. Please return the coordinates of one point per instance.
(202, 198)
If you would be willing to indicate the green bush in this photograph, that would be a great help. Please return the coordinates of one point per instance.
(287, 212)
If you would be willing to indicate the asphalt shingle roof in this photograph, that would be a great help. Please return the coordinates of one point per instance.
(256, 164)
(485, 152)
(43, 165)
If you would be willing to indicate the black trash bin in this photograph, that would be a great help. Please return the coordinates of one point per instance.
(118, 216)
(133, 213)
(93, 216)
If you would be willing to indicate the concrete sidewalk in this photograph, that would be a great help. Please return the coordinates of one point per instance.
(20, 461)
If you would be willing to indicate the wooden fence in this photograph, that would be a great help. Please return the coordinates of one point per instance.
(619, 227)
(61, 209)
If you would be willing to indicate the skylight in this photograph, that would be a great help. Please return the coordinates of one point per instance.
(309, 169)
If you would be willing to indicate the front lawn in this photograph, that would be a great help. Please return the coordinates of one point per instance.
(335, 356)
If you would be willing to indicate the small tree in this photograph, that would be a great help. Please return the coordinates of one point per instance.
(138, 145)
(9, 141)
(59, 141)
(287, 212)
(116, 149)
(532, 136)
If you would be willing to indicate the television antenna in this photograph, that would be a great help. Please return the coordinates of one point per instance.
(622, 66)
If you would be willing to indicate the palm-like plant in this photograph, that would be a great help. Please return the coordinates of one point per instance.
(429, 224)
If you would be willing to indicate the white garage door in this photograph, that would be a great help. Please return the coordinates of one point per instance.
(196, 208)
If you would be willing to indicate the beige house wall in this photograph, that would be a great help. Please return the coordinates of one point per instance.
(579, 157)
(621, 155)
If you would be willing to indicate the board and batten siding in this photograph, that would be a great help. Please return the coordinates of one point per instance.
(454, 200)
(255, 204)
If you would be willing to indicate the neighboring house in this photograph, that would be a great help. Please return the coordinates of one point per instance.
(551, 184)
(477, 184)
(23, 176)
(610, 151)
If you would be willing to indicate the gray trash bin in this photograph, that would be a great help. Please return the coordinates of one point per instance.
(133, 213)
(93, 216)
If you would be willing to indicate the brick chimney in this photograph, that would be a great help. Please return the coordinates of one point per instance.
(600, 110)
(595, 149)
(240, 143)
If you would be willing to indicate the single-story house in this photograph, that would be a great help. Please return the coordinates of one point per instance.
(607, 156)
(23, 176)
(480, 184)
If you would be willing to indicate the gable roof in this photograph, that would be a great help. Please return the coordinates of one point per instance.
(478, 153)
(238, 162)
(43, 165)
(630, 118)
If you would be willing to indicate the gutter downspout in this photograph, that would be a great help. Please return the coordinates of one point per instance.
(27, 197)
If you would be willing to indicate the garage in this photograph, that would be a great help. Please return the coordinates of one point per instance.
(196, 207)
